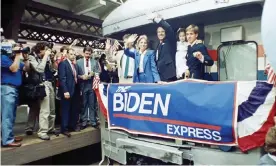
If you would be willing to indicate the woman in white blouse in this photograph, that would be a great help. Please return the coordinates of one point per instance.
(145, 70)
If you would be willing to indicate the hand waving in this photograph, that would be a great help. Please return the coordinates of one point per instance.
(132, 38)
(107, 44)
(155, 17)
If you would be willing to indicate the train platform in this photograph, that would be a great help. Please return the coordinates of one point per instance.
(34, 149)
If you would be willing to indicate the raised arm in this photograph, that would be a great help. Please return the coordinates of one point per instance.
(39, 66)
(129, 44)
(170, 34)
(130, 53)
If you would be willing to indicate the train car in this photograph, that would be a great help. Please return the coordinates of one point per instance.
(231, 30)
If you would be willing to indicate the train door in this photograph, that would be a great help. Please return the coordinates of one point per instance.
(235, 48)
(237, 61)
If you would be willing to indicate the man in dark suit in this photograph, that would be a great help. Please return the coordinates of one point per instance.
(197, 55)
(166, 49)
(68, 78)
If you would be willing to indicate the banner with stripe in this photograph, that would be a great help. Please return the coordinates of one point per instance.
(194, 111)
(221, 113)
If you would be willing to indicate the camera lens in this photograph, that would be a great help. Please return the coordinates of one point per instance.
(26, 50)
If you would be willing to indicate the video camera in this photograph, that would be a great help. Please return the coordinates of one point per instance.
(7, 48)
(25, 50)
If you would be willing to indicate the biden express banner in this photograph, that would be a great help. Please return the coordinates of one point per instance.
(202, 112)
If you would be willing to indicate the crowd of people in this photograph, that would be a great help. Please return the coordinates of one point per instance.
(39, 77)
(53, 85)
(172, 60)
(64, 77)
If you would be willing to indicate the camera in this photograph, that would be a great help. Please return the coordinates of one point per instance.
(7, 48)
(53, 53)
(50, 45)
(25, 50)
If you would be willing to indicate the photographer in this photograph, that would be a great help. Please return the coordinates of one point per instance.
(43, 95)
(11, 79)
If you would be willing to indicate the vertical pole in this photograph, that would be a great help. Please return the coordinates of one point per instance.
(14, 14)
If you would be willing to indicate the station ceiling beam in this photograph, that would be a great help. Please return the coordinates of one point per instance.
(88, 6)
(36, 6)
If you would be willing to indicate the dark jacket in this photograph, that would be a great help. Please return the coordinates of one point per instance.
(196, 67)
(166, 53)
(66, 78)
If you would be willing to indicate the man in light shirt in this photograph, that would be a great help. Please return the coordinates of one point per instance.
(125, 63)
(270, 147)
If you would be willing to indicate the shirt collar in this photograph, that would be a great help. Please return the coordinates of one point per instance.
(36, 55)
(69, 61)
(194, 42)
(272, 157)
(142, 52)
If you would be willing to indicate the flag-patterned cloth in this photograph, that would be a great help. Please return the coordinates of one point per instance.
(96, 82)
(271, 76)
(256, 110)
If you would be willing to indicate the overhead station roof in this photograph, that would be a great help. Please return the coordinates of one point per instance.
(133, 13)
(97, 9)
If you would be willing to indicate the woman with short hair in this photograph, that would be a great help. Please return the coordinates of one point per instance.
(145, 70)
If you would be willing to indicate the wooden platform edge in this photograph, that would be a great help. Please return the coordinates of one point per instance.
(44, 149)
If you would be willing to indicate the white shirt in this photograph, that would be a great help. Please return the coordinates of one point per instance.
(141, 63)
(87, 69)
(120, 56)
(180, 58)
(272, 157)
(157, 51)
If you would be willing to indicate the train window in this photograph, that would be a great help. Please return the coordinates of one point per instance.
(237, 61)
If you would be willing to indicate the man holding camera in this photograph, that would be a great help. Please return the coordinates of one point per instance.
(41, 66)
(11, 79)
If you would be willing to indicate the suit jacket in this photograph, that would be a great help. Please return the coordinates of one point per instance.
(94, 68)
(149, 65)
(195, 66)
(166, 53)
(66, 78)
